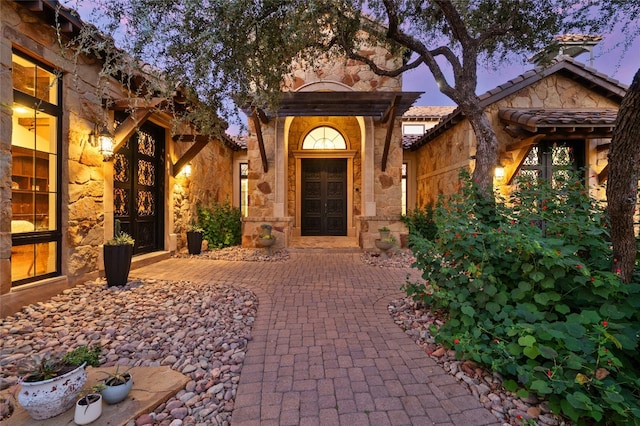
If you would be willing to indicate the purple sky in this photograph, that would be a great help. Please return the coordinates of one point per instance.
(607, 59)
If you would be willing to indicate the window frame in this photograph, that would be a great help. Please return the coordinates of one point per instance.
(51, 235)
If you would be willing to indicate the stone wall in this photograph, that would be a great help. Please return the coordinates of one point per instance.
(353, 74)
(299, 128)
(338, 75)
(440, 160)
(81, 174)
(211, 181)
(85, 180)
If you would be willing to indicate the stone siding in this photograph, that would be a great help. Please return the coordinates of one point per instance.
(85, 180)
(440, 160)
(211, 181)
(327, 74)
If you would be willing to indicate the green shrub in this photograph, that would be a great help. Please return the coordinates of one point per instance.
(420, 222)
(528, 290)
(221, 224)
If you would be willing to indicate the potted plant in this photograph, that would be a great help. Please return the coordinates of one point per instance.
(117, 257)
(384, 232)
(194, 238)
(116, 386)
(265, 239)
(88, 408)
(385, 244)
(50, 383)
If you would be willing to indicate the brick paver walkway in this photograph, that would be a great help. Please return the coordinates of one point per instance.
(325, 350)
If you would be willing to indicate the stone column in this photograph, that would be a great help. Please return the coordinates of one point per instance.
(281, 165)
(368, 169)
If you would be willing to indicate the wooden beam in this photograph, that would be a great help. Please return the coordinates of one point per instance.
(390, 112)
(603, 175)
(525, 143)
(262, 116)
(603, 147)
(520, 157)
(129, 125)
(263, 155)
(200, 142)
(134, 103)
(387, 141)
(36, 5)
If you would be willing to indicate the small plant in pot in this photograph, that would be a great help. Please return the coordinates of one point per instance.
(116, 386)
(384, 232)
(89, 407)
(194, 238)
(265, 239)
(117, 257)
(50, 383)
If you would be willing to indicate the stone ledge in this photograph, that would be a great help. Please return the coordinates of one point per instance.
(151, 387)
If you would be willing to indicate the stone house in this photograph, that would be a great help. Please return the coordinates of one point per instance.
(547, 120)
(343, 155)
(328, 162)
(58, 197)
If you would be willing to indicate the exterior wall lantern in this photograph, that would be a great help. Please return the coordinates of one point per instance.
(104, 141)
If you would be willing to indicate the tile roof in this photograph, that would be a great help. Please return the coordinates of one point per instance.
(578, 38)
(534, 119)
(565, 65)
(428, 112)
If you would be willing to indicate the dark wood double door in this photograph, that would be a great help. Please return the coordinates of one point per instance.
(324, 197)
(138, 197)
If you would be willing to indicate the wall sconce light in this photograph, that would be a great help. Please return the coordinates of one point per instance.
(186, 170)
(499, 172)
(104, 141)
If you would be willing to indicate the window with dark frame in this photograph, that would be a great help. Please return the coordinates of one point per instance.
(244, 188)
(552, 160)
(35, 166)
(404, 188)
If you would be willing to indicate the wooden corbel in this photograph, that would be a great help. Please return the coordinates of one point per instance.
(257, 116)
(200, 142)
(389, 118)
(141, 113)
(603, 175)
(523, 146)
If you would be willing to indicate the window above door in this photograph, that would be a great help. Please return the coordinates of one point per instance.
(324, 137)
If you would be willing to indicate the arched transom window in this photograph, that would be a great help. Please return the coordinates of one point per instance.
(324, 138)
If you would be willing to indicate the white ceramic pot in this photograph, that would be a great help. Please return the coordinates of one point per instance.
(88, 411)
(48, 398)
(115, 394)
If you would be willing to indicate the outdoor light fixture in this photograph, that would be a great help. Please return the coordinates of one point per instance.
(499, 172)
(104, 141)
(186, 170)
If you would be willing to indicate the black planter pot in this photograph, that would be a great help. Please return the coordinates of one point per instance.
(194, 242)
(117, 263)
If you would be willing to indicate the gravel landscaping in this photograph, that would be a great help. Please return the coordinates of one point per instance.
(202, 330)
(197, 329)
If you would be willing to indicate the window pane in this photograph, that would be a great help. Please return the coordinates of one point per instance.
(33, 80)
(244, 188)
(533, 158)
(324, 138)
(561, 156)
(30, 260)
(413, 129)
(33, 174)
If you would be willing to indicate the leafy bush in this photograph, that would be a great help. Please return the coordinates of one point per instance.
(420, 222)
(529, 292)
(221, 224)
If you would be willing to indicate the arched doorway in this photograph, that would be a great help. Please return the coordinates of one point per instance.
(324, 182)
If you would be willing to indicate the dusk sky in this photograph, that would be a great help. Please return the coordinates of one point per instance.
(607, 59)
